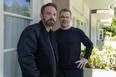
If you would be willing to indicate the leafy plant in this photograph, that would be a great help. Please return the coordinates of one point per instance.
(105, 59)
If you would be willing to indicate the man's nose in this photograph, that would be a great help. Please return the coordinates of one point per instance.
(52, 16)
(65, 18)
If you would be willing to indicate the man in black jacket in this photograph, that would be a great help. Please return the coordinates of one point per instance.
(69, 47)
(37, 49)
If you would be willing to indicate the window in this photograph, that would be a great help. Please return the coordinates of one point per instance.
(21, 7)
(17, 15)
(13, 28)
(76, 22)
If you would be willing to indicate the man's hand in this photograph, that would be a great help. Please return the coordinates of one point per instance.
(81, 63)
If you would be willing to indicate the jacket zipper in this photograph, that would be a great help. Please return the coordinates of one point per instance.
(53, 57)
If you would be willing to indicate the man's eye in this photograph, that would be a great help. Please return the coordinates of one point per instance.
(67, 17)
(48, 13)
(54, 14)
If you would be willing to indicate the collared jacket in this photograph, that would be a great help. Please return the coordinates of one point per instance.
(37, 52)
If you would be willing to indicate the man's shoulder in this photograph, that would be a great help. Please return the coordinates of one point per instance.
(71, 29)
(33, 27)
(76, 29)
(57, 30)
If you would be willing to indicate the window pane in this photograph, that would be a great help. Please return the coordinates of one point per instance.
(13, 28)
(11, 67)
(22, 7)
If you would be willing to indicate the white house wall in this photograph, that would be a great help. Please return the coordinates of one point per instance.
(80, 11)
(80, 6)
(36, 5)
(86, 14)
(1, 25)
(77, 4)
(86, 11)
(46, 1)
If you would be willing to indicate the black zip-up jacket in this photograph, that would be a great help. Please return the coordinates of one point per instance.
(37, 52)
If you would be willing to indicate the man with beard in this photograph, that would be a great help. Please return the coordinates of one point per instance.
(37, 49)
(69, 47)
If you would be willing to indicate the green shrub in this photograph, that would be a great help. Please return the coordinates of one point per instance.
(105, 59)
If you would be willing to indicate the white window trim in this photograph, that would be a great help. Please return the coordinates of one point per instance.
(10, 50)
(17, 15)
(1, 40)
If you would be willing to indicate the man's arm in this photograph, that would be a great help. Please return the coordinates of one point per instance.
(89, 46)
(26, 49)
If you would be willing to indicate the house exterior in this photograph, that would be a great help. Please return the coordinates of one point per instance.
(15, 15)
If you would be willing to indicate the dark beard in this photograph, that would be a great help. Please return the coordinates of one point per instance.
(49, 22)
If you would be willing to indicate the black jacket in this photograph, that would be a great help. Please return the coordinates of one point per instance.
(37, 52)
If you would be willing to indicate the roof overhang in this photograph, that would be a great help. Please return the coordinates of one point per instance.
(101, 5)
